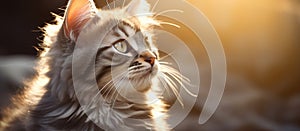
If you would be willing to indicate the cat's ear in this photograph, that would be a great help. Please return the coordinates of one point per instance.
(138, 7)
(77, 14)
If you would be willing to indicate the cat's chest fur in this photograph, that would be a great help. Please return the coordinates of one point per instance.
(50, 101)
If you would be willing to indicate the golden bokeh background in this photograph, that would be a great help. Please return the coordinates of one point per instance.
(261, 43)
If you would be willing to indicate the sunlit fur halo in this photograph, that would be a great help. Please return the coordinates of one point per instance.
(49, 101)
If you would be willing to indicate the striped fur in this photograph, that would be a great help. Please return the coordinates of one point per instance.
(50, 103)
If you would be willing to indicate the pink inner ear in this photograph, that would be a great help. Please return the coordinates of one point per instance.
(77, 15)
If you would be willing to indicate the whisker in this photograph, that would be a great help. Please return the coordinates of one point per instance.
(123, 3)
(116, 97)
(116, 81)
(166, 56)
(169, 23)
(117, 88)
(93, 100)
(178, 77)
(108, 4)
(172, 85)
(163, 62)
(164, 85)
(112, 89)
(115, 78)
(144, 14)
(182, 85)
(167, 11)
(108, 85)
(107, 93)
(104, 87)
(130, 68)
(168, 69)
(153, 8)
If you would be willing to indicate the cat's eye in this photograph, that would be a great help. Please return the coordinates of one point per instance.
(121, 46)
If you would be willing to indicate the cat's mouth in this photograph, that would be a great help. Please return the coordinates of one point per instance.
(138, 72)
(141, 76)
(142, 71)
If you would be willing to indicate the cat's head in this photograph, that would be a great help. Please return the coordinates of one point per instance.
(127, 56)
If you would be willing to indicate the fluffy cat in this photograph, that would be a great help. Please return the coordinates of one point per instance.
(50, 101)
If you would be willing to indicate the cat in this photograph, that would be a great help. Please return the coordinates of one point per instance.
(50, 101)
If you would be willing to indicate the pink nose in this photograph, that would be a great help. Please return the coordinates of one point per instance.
(150, 60)
(148, 57)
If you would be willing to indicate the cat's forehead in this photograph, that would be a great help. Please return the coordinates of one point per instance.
(139, 20)
(112, 14)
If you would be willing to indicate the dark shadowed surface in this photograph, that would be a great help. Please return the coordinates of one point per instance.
(20, 21)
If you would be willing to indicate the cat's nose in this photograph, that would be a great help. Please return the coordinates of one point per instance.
(150, 60)
(148, 57)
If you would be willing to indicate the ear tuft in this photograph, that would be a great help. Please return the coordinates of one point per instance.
(78, 13)
(138, 7)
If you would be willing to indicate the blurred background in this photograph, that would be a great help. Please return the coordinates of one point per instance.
(261, 39)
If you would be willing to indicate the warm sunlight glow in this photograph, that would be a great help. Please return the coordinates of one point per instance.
(158, 115)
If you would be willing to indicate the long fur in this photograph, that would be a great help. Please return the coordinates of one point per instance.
(49, 100)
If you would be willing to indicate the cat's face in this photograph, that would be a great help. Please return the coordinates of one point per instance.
(128, 51)
(127, 59)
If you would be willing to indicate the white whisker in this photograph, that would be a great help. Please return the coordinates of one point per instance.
(172, 85)
(123, 3)
(179, 78)
(166, 56)
(154, 6)
(181, 83)
(163, 62)
(116, 97)
(108, 86)
(164, 85)
(168, 23)
(108, 4)
(114, 79)
(167, 11)
(168, 69)
(130, 68)
(144, 14)
(93, 100)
